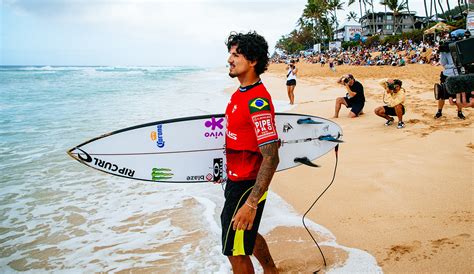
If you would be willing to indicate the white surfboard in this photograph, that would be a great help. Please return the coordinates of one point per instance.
(191, 149)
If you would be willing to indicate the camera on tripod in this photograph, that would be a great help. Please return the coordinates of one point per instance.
(463, 69)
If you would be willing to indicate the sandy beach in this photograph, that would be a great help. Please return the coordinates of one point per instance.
(403, 195)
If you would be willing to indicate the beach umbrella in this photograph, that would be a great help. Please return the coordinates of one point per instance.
(356, 37)
(439, 27)
(458, 33)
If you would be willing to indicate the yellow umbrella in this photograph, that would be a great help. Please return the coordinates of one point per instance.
(439, 27)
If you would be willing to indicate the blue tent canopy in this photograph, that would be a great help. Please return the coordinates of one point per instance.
(458, 32)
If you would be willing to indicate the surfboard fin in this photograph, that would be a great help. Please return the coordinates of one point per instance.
(305, 161)
(308, 121)
(330, 138)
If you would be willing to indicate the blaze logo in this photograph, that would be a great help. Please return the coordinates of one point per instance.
(214, 124)
(258, 104)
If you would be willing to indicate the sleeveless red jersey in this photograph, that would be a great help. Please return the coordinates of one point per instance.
(250, 117)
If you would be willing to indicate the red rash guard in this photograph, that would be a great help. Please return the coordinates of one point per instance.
(250, 117)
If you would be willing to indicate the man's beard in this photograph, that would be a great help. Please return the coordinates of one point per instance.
(232, 75)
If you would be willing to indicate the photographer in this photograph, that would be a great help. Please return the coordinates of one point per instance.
(354, 98)
(447, 62)
(395, 96)
(291, 81)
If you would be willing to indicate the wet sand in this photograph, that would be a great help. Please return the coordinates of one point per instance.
(403, 195)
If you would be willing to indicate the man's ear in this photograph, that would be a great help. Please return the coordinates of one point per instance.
(253, 63)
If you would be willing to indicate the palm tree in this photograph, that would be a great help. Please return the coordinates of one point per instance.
(335, 5)
(435, 9)
(441, 6)
(384, 18)
(449, 9)
(412, 19)
(351, 16)
(315, 11)
(396, 8)
(460, 7)
(426, 9)
(360, 7)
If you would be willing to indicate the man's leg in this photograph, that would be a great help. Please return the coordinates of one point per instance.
(399, 112)
(339, 101)
(459, 106)
(352, 114)
(440, 109)
(263, 255)
(241, 264)
(380, 111)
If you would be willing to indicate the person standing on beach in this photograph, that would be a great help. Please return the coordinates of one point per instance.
(395, 95)
(291, 81)
(446, 60)
(354, 98)
(252, 154)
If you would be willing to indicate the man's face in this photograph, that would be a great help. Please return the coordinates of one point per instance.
(351, 82)
(238, 64)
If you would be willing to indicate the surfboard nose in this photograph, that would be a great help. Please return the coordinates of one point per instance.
(79, 154)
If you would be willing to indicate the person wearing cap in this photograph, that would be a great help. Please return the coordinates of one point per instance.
(394, 98)
(354, 98)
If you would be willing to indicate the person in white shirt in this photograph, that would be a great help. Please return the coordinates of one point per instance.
(291, 81)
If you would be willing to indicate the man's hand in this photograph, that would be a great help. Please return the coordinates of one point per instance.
(462, 100)
(244, 218)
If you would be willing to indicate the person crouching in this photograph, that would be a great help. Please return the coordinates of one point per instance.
(395, 96)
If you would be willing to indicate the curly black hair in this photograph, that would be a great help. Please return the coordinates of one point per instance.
(253, 46)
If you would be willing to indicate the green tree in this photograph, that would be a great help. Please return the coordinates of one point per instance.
(315, 10)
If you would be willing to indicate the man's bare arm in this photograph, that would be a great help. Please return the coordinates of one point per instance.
(265, 174)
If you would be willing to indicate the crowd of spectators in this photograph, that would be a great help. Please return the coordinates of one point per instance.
(405, 52)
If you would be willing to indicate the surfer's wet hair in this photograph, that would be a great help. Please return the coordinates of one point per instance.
(253, 46)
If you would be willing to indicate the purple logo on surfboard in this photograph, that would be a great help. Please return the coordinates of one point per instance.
(215, 126)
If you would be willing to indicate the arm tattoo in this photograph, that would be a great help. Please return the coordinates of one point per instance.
(265, 174)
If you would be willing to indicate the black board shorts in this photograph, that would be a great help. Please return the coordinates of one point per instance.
(391, 111)
(239, 242)
(291, 82)
(356, 108)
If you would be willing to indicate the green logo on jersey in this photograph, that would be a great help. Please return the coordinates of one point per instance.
(259, 104)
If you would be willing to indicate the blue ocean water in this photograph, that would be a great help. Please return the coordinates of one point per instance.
(58, 215)
(47, 200)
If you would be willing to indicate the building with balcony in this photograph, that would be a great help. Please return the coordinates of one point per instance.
(385, 23)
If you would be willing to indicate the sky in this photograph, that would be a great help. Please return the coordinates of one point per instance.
(142, 32)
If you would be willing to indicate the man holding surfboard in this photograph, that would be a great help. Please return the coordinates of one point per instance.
(252, 154)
